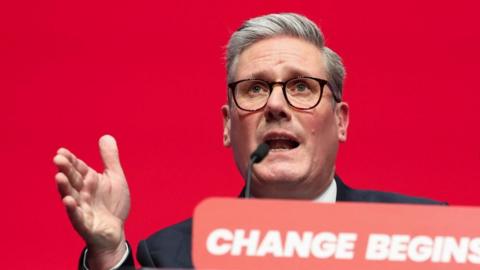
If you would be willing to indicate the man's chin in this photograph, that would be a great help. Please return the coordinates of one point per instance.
(284, 187)
(276, 176)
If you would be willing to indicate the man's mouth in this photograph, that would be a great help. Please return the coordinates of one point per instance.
(281, 142)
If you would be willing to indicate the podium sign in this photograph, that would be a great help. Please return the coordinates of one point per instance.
(287, 234)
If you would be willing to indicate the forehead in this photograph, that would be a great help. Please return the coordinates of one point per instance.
(279, 58)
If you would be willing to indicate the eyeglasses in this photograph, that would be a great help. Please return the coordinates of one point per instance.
(302, 93)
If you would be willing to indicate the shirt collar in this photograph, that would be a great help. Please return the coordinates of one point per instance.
(329, 195)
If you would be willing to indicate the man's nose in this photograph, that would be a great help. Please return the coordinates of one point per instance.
(277, 107)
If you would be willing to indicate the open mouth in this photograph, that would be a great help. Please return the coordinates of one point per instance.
(281, 144)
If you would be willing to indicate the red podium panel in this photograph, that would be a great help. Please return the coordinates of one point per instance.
(281, 234)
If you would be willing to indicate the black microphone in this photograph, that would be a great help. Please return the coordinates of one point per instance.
(258, 155)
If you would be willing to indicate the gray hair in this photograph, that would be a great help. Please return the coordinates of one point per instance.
(289, 24)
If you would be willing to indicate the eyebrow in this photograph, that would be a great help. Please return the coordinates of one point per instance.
(291, 73)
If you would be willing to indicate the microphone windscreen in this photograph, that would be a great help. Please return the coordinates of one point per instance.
(260, 153)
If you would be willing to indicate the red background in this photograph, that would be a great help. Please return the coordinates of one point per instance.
(151, 73)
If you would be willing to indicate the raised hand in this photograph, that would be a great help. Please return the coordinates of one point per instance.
(97, 203)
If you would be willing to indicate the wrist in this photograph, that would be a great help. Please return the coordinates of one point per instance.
(106, 258)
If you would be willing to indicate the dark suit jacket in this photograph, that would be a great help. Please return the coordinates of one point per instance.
(171, 247)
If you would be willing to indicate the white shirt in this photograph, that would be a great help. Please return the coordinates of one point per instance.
(329, 195)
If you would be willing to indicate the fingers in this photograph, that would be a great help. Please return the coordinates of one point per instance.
(109, 153)
(79, 165)
(76, 183)
(75, 213)
(70, 203)
(72, 173)
(67, 168)
(64, 186)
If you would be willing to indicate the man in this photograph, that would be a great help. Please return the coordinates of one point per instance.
(285, 90)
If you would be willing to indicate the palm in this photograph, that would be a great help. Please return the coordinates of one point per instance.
(108, 209)
(112, 188)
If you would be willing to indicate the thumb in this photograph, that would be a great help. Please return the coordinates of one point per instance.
(109, 153)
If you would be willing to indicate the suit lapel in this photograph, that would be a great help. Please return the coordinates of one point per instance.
(344, 193)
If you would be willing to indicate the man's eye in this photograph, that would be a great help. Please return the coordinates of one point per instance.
(256, 89)
(300, 87)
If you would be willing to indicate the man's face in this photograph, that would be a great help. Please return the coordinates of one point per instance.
(304, 143)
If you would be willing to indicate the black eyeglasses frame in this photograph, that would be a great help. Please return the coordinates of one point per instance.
(233, 85)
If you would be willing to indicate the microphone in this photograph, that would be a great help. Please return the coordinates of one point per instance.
(258, 155)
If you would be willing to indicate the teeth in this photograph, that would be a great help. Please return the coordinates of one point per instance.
(280, 138)
(281, 144)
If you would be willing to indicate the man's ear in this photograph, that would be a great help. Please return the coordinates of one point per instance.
(341, 115)
(226, 125)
